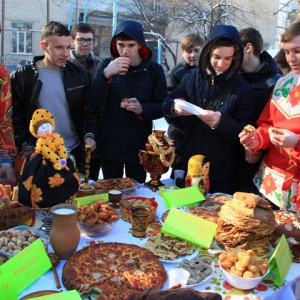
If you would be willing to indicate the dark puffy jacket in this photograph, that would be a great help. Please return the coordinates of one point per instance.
(122, 132)
(175, 75)
(26, 88)
(263, 81)
(220, 145)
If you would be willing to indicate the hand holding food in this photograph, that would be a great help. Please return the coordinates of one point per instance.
(248, 137)
(283, 138)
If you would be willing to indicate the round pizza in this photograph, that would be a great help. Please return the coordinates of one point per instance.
(114, 270)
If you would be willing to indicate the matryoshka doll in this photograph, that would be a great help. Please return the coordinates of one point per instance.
(198, 173)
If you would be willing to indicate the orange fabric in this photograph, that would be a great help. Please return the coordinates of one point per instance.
(6, 127)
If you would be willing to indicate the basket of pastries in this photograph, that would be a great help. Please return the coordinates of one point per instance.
(11, 212)
(127, 203)
(127, 185)
(97, 218)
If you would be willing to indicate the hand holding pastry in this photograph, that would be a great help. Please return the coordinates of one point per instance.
(119, 65)
(248, 137)
(134, 106)
(283, 137)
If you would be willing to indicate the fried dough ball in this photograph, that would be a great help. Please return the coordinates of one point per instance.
(103, 216)
(91, 218)
(222, 256)
(232, 256)
(248, 274)
(244, 263)
(226, 264)
(81, 217)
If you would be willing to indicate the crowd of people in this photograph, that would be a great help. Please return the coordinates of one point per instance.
(109, 105)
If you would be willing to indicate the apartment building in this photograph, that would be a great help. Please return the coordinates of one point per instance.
(22, 22)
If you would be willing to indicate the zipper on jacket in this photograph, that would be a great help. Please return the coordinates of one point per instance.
(212, 80)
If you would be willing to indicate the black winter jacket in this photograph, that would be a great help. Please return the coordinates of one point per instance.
(175, 75)
(220, 145)
(263, 81)
(26, 88)
(123, 133)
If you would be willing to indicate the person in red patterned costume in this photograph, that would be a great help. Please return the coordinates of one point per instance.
(6, 128)
(278, 133)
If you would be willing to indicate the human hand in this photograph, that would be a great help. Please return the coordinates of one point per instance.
(283, 138)
(211, 118)
(90, 142)
(119, 65)
(134, 105)
(249, 141)
(179, 111)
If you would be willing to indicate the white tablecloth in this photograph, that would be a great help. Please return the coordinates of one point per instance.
(121, 233)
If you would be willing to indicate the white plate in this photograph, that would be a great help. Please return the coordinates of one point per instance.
(176, 260)
(205, 279)
(189, 107)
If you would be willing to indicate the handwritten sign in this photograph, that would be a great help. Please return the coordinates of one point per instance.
(8, 289)
(182, 197)
(28, 265)
(280, 261)
(69, 295)
(90, 199)
(189, 227)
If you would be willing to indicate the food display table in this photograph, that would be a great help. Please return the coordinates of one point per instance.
(122, 233)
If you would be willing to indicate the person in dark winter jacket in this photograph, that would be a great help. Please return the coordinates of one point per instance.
(191, 46)
(129, 74)
(226, 99)
(262, 72)
(57, 85)
(83, 41)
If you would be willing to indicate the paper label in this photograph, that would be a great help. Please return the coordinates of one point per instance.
(280, 261)
(8, 288)
(189, 227)
(182, 197)
(28, 265)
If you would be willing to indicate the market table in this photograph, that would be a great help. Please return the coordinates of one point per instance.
(121, 233)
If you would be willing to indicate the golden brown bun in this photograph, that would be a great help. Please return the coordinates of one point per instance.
(124, 102)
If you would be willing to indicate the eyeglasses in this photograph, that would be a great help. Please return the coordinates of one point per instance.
(82, 41)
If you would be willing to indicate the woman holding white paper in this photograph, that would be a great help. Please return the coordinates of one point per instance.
(226, 100)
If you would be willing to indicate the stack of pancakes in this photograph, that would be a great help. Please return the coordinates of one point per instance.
(246, 221)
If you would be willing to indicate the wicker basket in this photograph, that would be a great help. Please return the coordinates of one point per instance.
(126, 212)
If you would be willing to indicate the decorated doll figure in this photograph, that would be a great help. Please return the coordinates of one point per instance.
(49, 144)
(48, 176)
(198, 173)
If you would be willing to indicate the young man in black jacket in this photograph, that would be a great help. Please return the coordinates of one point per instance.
(83, 41)
(57, 85)
(129, 73)
(262, 72)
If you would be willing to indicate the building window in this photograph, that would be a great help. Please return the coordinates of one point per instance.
(21, 37)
